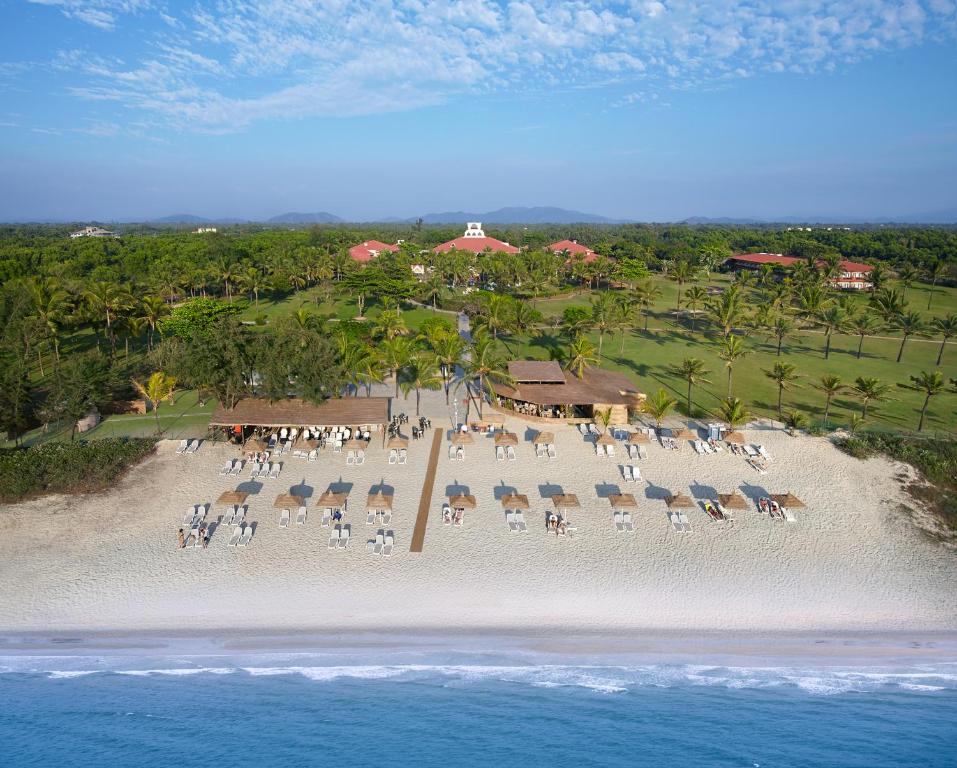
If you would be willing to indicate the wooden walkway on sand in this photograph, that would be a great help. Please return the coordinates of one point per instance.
(425, 500)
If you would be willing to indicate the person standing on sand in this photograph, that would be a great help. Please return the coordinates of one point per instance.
(181, 539)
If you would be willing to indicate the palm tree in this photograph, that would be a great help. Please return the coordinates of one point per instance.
(869, 389)
(602, 311)
(733, 413)
(888, 303)
(681, 272)
(225, 270)
(647, 293)
(486, 364)
(930, 384)
(695, 297)
(830, 385)
(909, 324)
(254, 281)
(370, 369)
(781, 328)
(390, 324)
(448, 349)
(812, 300)
(152, 309)
(495, 316)
(525, 318)
(947, 328)
(396, 354)
(51, 306)
(725, 310)
(865, 323)
(907, 273)
(623, 319)
(581, 355)
(732, 350)
(421, 372)
(832, 319)
(795, 421)
(658, 406)
(107, 300)
(784, 375)
(936, 271)
(158, 387)
(693, 371)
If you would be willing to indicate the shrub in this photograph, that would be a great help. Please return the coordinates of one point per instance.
(67, 467)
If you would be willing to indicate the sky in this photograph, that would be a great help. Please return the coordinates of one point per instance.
(650, 110)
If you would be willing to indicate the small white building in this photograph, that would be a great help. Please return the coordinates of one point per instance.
(93, 232)
(203, 230)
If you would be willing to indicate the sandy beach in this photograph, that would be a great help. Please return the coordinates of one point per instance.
(853, 561)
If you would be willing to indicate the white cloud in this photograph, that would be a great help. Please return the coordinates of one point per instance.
(225, 63)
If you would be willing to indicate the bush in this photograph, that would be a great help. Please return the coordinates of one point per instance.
(67, 467)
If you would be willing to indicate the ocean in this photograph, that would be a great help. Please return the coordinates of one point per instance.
(315, 709)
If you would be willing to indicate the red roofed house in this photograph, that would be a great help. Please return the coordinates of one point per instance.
(573, 248)
(367, 251)
(854, 275)
(474, 240)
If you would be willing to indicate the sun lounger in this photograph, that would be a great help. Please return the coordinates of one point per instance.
(386, 517)
(337, 446)
(676, 522)
(698, 448)
(712, 511)
(619, 524)
(227, 468)
(593, 428)
(764, 453)
(313, 455)
(239, 515)
(683, 519)
(370, 517)
(627, 522)
(499, 453)
(229, 517)
(284, 518)
(510, 520)
(540, 451)
(583, 428)
(237, 535)
(190, 514)
(389, 544)
(749, 451)
(334, 538)
(552, 453)
(344, 537)
(181, 448)
(789, 516)
(274, 470)
(393, 456)
(600, 450)
(301, 516)
(642, 452)
(237, 467)
(609, 450)
(375, 546)
(510, 452)
(446, 514)
(350, 458)
(628, 473)
(246, 537)
(452, 453)
(632, 452)
(519, 518)
(403, 455)
(256, 469)
(460, 454)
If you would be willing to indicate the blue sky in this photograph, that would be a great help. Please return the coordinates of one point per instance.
(124, 109)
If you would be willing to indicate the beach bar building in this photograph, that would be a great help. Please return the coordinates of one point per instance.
(544, 391)
(253, 415)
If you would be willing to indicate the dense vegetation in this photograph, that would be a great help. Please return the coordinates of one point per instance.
(59, 467)
(278, 312)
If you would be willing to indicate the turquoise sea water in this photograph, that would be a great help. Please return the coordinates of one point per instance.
(302, 711)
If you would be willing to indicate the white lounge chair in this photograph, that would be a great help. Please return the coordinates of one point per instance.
(378, 543)
(246, 537)
(284, 518)
(237, 467)
(749, 451)
(552, 453)
(619, 525)
(519, 518)
(446, 514)
(190, 514)
(386, 516)
(697, 447)
(239, 515)
(627, 522)
(789, 516)
(370, 517)
(389, 544)
(540, 451)
(627, 473)
(313, 455)
(256, 469)
(360, 457)
(237, 535)
(593, 428)
(334, 538)
(632, 452)
(683, 519)
(227, 468)
(636, 474)
(350, 458)
(452, 453)
(460, 454)
(676, 522)
(583, 429)
(510, 452)
(274, 470)
(301, 516)
(344, 537)
(403, 455)
(642, 452)
(499, 453)
(393, 456)
(599, 450)
(764, 453)
(510, 520)
(181, 448)
(192, 446)
(609, 450)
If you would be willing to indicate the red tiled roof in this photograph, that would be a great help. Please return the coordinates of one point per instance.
(786, 261)
(368, 250)
(573, 249)
(476, 245)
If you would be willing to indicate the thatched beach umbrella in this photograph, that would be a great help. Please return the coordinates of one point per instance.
(732, 500)
(398, 442)
(605, 439)
(255, 444)
(515, 501)
(623, 501)
(679, 501)
(462, 438)
(379, 501)
(354, 445)
(544, 438)
(330, 500)
(565, 501)
(734, 437)
(232, 497)
(506, 438)
(462, 501)
(788, 500)
(639, 438)
(288, 500)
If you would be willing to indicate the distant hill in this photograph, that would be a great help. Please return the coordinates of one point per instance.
(181, 218)
(320, 217)
(519, 215)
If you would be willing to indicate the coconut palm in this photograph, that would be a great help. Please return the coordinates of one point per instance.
(581, 355)
(658, 406)
(107, 300)
(812, 300)
(225, 269)
(254, 281)
(733, 413)
(369, 369)
(495, 315)
(487, 364)
(830, 385)
(947, 328)
(832, 319)
(870, 390)
(784, 375)
(693, 371)
(930, 383)
(781, 327)
(695, 297)
(396, 353)
(725, 310)
(864, 323)
(602, 317)
(732, 350)
(421, 372)
(906, 274)
(647, 293)
(878, 275)
(795, 421)
(888, 303)
(157, 388)
(909, 324)
(681, 272)
(623, 319)
(51, 307)
(389, 325)
(936, 271)
(152, 309)
(525, 318)
(448, 350)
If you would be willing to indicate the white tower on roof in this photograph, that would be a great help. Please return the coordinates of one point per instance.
(474, 229)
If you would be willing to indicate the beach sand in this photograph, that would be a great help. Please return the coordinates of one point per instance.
(853, 561)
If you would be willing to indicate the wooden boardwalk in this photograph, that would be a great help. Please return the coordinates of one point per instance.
(425, 500)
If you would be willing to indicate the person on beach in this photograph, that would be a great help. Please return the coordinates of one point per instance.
(337, 515)
(180, 539)
(204, 535)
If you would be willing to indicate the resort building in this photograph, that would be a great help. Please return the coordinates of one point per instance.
(543, 390)
(854, 276)
(573, 250)
(476, 241)
(93, 232)
(204, 230)
(370, 249)
(253, 415)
